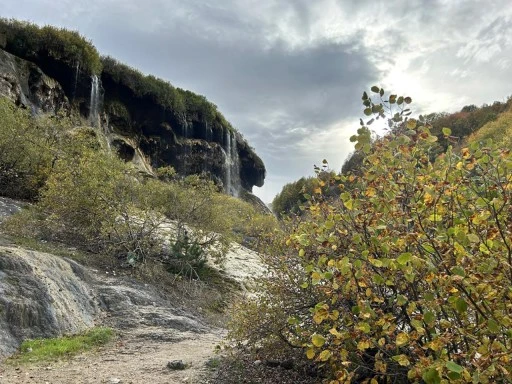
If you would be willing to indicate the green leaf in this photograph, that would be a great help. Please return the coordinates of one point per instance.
(459, 271)
(473, 238)
(365, 327)
(401, 299)
(493, 326)
(454, 367)
(447, 131)
(429, 317)
(461, 305)
(404, 258)
(431, 376)
(375, 89)
(367, 111)
(408, 100)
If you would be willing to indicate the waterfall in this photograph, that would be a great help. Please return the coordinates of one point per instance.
(185, 149)
(232, 166)
(208, 134)
(94, 104)
(77, 71)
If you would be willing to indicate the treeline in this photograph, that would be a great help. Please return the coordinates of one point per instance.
(31, 42)
(179, 101)
(38, 44)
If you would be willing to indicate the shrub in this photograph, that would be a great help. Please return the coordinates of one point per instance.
(28, 147)
(410, 269)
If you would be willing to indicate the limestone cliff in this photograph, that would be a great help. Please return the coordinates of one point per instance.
(140, 114)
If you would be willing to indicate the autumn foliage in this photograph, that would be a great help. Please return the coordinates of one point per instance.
(410, 268)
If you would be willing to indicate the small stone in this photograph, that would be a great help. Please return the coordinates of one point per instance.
(114, 380)
(257, 362)
(176, 365)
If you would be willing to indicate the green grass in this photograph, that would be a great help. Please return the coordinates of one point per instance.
(40, 350)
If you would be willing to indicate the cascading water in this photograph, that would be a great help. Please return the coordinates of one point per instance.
(94, 103)
(77, 71)
(208, 134)
(232, 166)
(186, 148)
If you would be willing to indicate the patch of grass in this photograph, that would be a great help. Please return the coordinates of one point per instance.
(39, 350)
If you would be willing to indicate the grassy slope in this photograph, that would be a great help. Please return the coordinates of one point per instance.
(499, 130)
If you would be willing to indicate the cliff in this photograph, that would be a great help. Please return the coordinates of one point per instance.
(53, 70)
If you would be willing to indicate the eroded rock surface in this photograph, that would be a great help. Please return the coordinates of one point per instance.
(42, 295)
(25, 84)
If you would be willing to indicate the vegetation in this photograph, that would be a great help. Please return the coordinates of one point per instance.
(293, 197)
(35, 43)
(27, 150)
(40, 350)
(181, 102)
(407, 276)
(88, 197)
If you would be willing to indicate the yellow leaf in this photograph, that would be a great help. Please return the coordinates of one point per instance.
(362, 345)
(318, 191)
(335, 333)
(318, 340)
(370, 192)
(428, 199)
(402, 360)
(402, 339)
(325, 355)
(310, 353)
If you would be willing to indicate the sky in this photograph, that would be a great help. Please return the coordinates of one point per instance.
(289, 74)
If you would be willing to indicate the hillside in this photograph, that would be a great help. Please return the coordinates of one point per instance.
(143, 116)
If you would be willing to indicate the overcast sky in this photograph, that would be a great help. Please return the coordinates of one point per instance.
(289, 74)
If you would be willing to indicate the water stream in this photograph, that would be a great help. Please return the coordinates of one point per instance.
(94, 103)
(232, 165)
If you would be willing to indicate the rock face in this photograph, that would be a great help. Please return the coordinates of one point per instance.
(135, 121)
(25, 84)
(41, 296)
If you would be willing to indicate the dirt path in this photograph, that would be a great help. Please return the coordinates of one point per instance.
(130, 359)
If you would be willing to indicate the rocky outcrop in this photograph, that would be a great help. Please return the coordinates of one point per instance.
(192, 141)
(192, 144)
(41, 296)
(26, 85)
